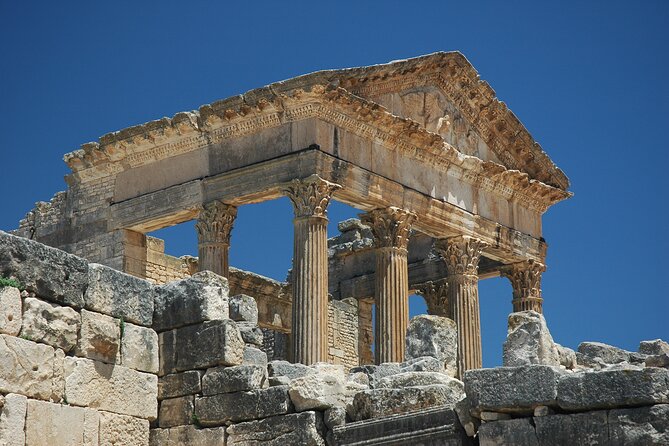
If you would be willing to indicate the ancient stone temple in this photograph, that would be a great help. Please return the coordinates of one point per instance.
(450, 185)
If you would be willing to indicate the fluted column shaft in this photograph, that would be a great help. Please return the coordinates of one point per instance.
(390, 228)
(462, 255)
(525, 279)
(309, 277)
(214, 227)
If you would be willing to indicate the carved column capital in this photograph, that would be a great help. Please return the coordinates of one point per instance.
(435, 294)
(310, 196)
(214, 223)
(461, 254)
(390, 226)
(525, 279)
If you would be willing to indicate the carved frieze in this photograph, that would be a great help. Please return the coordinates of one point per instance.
(390, 226)
(214, 223)
(310, 196)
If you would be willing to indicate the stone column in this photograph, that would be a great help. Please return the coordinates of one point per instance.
(309, 277)
(214, 225)
(435, 294)
(462, 255)
(525, 279)
(390, 228)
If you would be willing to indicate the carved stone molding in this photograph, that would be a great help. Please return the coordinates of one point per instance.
(214, 224)
(435, 294)
(390, 226)
(461, 254)
(310, 196)
(525, 279)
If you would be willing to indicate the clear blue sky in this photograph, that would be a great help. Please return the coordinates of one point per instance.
(590, 81)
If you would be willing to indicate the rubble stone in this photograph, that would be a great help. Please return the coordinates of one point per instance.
(433, 336)
(304, 428)
(12, 420)
(640, 425)
(613, 388)
(529, 341)
(328, 387)
(48, 272)
(113, 388)
(119, 295)
(654, 347)
(243, 308)
(512, 389)
(139, 348)
(377, 372)
(201, 297)
(239, 378)
(176, 411)
(227, 408)
(658, 360)
(334, 416)
(463, 410)
(49, 323)
(251, 334)
(423, 364)
(255, 356)
(100, 337)
(567, 357)
(10, 311)
(608, 354)
(575, 429)
(180, 384)
(49, 424)
(123, 430)
(26, 367)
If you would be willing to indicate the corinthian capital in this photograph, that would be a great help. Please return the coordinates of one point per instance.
(525, 278)
(461, 254)
(390, 226)
(214, 224)
(310, 196)
(435, 294)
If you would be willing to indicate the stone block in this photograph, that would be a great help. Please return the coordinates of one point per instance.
(518, 432)
(255, 356)
(180, 384)
(377, 372)
(575, 429)
(201, 297)
(13, 420)
(433, 336)
(658, 360)
(238, 378)
(608, 354)
(305, 429)
(529, 342)
(176, 411)
(613, 388)
(123, 430)
(139, 348)
(188, 435)
(112, 388)
(58, 380)
(228, 408)
(201, 346)
(328, 387)
(512, 389)
(251, 334)
(26, 367)
(289, 370)
(243, 308)
(423, 364)
(49, 424)
(49, 323)
(639, 426)
(654, 347)
(378, 402)
(121, 295)
(48, 272)
(463, 410)
(412, 379)
(334, 416)
(100, 337)
(10, 311)
(567, 357)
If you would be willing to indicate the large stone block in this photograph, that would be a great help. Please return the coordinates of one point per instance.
(243, 308)
(176, 411)
(529, 341)
(188, 435)
(328, 387)
(227, 408)
(289, 370)
(139, 348)
(100, 337)
(377, 372)
(180, 384)
(413, 379)
(519, 432)
(424, 364)
(120, 295)
(13, 420)
(378, 402)
(305, 429)
(10, 311)
(49, 424)
(49, 323)
(201, 297)
(255, 356)
(639, 426)
(201, 346)
(123, 430)
(240, 378)
(512, 389)
(26, 367)
(433, 336)
(50, 273)
(58, 381)
(112, 388)
(251, 334)
(574, 429)
(654, 347)
(613, 388)
(608, 354)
